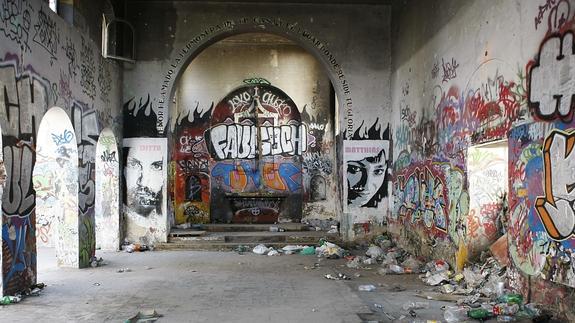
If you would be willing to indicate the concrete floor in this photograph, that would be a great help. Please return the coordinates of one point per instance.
(194, 286)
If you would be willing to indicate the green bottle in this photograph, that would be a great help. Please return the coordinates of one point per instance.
(479, 313)
(511, 299)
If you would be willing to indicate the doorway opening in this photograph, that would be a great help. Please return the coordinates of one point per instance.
(487, 169)
(55, 179)
(107, 205)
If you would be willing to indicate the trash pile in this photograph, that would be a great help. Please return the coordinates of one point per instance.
(479, 291)
(393, 259)
(326, 249)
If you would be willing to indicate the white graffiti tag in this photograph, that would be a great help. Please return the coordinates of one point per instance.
(552, 80)
(556, 207)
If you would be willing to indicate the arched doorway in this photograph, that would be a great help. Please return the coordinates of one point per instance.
(107, 205)
(55, 179)
(206, 187)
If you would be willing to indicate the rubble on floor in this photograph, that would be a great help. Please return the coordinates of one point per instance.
(33, 290)
(129, 247)
(479, 291)
(326, 249)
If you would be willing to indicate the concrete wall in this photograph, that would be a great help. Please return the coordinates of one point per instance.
(44, 62)
(350, 42)
(471, 72)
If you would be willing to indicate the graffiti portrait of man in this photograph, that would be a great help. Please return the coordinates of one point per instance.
(144, 172)
(366, 180)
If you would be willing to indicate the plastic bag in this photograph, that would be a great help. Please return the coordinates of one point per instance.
(260, 249)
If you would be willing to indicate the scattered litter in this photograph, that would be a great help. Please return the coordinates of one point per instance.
(330, 250)
(10, 300)
(241, 249)
(274, 228)
(455, 313)
(471, 299)
(273, 252)
(339, 276)
(96, 262)
(308, 251)
(147, 267)
(292, 248)
(135, 247)
(415, 305)
(124, 270)
(96, 284)
(260, 249)
(315, 266)
(144, 316)
(366, 288)
(374, 252)
(314, 310)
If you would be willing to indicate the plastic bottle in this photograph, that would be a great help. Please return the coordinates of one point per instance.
(505, 309)
(479, 313)
(510, 299)
(455, 314)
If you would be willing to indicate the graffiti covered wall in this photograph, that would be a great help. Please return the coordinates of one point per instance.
(509, 78)
(45, 63)
(361, 99)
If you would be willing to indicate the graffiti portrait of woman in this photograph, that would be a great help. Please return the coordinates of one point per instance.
(366, 180)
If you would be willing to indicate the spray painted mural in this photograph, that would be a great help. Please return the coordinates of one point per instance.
(107, 209)
(191, 163)
(367, 174)
(55, 181)
(256, 140)
(23, 100)
(145, 189)
(366, 169)
(541, 221)
(541, 214)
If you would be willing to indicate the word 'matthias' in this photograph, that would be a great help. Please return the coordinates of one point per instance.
(241, 141)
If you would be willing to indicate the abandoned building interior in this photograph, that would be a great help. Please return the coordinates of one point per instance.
(176, 126)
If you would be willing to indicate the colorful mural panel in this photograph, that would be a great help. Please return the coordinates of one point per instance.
(541, 216)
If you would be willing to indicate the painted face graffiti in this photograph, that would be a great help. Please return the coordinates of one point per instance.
(144, 173)
(365, 179)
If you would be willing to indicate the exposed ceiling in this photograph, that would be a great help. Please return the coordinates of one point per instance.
(322, 2)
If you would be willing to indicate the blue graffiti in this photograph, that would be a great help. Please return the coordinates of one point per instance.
(288, 172)
(65, 138)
